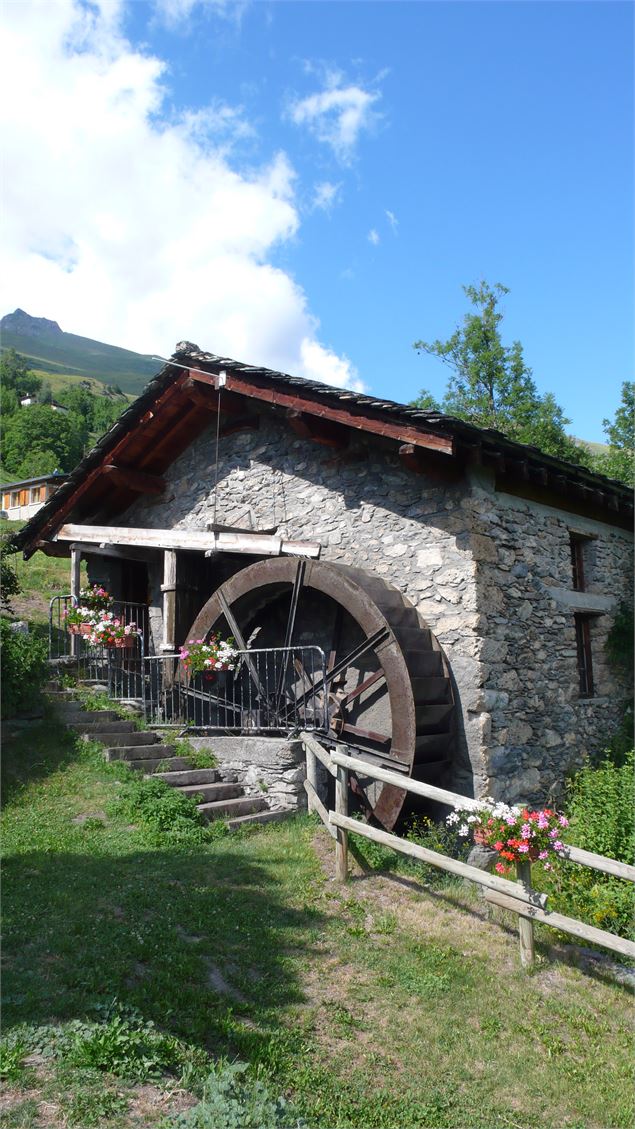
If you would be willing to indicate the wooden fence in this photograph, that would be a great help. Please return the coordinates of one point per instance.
(519, 896)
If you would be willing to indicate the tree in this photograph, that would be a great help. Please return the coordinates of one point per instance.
(33, 431)
(14, 374)
(491, 385)
(619, 461)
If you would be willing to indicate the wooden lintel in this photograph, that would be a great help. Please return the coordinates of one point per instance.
(539, 474)
(358, 420)
(137, 480)
(519, 467)
(258, 544)
(322, 431)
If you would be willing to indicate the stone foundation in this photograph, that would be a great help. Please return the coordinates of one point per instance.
(271, 767)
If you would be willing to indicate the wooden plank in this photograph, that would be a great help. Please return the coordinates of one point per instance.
(357, 420)
(169, 600)
(136, 480)
(255, 543)
(315, 804)
(341, 843)
(442, 795)
(565, 924)
(310, 742)
(599, 862)
(76, 564)
(462, 869)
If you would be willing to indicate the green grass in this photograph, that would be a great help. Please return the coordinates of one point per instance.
(134, 966)
(40, 578)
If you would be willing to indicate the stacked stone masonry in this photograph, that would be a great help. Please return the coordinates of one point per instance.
(489, 573)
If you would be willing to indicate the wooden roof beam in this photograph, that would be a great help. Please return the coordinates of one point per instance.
(204, 390)
(318, 430)
(135, 480)
(359, 421)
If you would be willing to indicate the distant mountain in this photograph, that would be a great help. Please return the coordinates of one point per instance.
(49, 349)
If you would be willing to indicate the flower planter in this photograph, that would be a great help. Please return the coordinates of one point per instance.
(126, 644)
(80, 628)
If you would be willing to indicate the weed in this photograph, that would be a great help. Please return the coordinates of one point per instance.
(161, 809)
(233, 1098)
(131, 1049)
(12, 1068)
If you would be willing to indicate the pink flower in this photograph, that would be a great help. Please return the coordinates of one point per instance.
(543, 854)
(523, 848)
(501, 868)
(558, 846)
(543, 821)
(563, 821)
(525, 831)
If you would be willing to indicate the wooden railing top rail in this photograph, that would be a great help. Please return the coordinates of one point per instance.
(452, 799)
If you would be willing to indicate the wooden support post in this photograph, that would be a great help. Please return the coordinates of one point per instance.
(525, 925)
(76, 564)
(341, 807)
(311, 775)
(169, 599)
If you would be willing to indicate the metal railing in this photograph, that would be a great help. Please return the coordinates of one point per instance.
(62, 644)
(272, 690)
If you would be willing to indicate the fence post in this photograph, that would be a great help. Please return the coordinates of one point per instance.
(525, 925)
(341, 807)
(311, 774)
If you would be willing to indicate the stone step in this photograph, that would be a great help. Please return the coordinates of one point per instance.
(106, 729)
(91, 720)
(211, 792)
(223, 809)
(191, 776)
(150, 766)
(270, 815)
(111, 738)
(140, 752)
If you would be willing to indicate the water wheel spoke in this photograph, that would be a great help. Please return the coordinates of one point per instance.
(240, 639)
(365, 685)
(288, 635)
(368, 734)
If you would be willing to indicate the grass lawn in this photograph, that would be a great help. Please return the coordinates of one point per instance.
(132, 965)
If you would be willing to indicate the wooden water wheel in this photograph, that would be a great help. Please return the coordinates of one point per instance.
(387, 688)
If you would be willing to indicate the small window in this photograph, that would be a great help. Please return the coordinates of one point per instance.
(577, 545)
(15, 498)
(585, 661)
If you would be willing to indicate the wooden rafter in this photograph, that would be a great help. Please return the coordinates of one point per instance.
(357, 420)
(135, 480)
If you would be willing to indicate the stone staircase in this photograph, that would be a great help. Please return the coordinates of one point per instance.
(221, 796)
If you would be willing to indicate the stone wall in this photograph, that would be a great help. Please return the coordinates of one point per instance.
(480, 567)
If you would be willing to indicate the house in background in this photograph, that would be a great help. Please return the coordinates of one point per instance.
(21, 500)
(459, 585)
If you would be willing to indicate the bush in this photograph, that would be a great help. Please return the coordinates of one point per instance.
(602, 819)
(163, 810)
(23, 668)
(234, 1099)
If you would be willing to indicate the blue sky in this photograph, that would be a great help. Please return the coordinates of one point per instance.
(309, 185)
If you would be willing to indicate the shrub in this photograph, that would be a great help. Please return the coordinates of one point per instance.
(23, 668)
(602, 819)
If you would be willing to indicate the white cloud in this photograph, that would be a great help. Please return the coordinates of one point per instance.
(337, 115)
(135, 230)
(325, 195)
(373, 237)
(392, 220)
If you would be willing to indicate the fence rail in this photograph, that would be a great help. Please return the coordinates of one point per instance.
(519, 897)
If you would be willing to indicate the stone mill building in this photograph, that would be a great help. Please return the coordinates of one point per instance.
(460, 585)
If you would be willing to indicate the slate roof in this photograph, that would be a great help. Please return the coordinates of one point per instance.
(188, 356)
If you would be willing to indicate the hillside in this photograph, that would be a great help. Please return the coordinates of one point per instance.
(50, 350)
